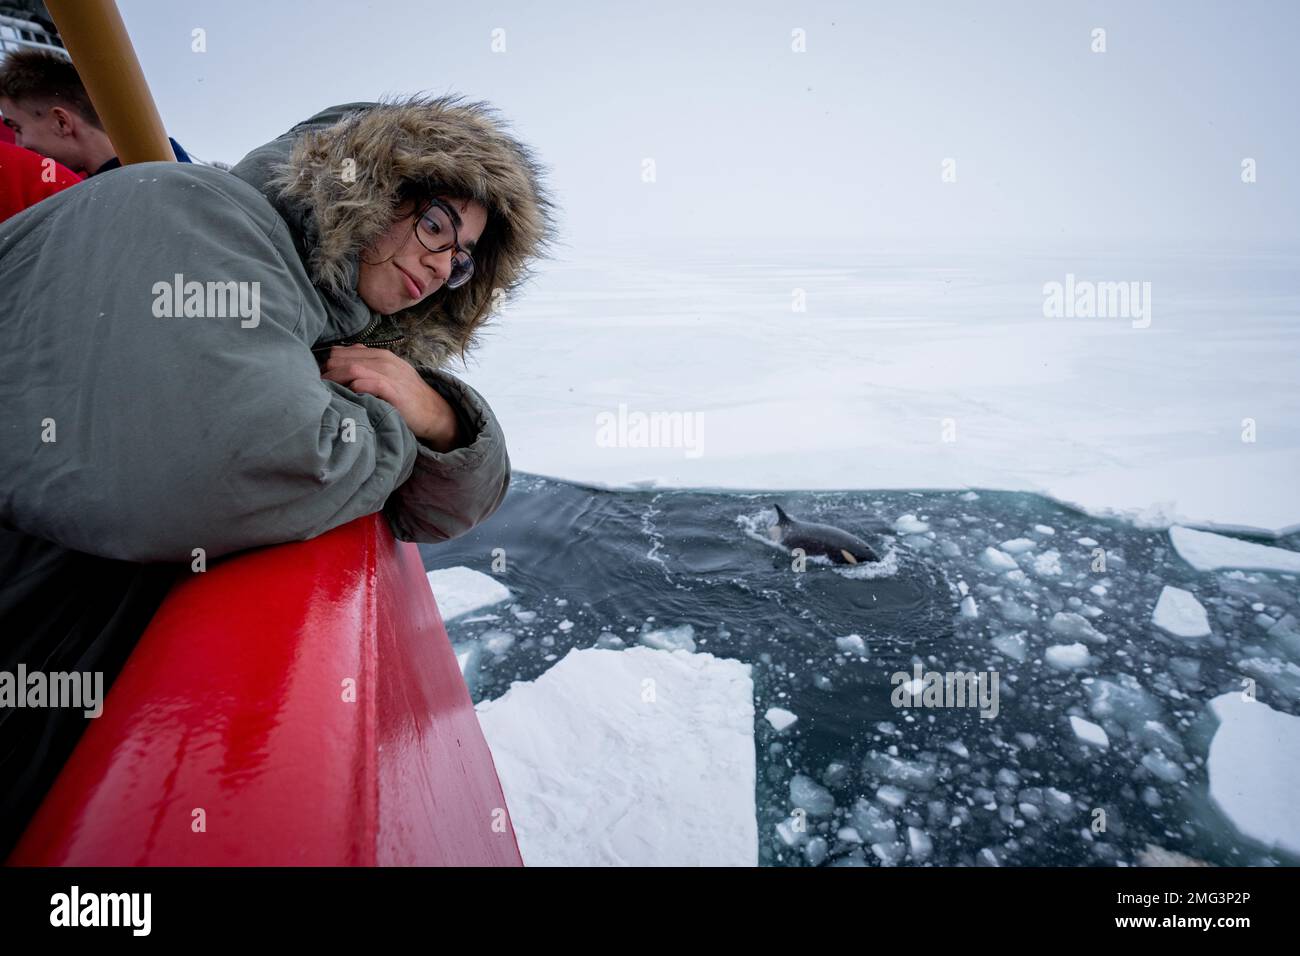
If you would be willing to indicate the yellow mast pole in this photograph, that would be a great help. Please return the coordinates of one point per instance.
(96, 38)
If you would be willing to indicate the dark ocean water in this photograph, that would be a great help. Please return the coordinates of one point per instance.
(930, 785)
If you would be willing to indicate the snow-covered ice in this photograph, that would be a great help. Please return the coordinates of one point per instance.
(1018, 545)
(780, 718)
(1177, 612)
(462, 590)
(887, 363)
(638, 757)
(1206, 551)
(1067, 657)
(890, 352)
(1048, 564)
(996, 560)
(1254, 766)
(910, 524)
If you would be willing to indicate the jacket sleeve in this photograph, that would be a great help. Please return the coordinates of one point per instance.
(449, 493)
(141, 433)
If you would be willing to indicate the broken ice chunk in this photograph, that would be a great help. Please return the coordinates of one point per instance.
(1163, 767)
(853, 644)
(910, 524)
(671, 639)
(1012, 645)
(919, 844)
(1209, 552)
(1048, 564)
(996, 560)
(1180, 614)
(780, 718)
(807, 793)
(1089, 733)
(1067, 657)
(1254, 767)
(461, 590)
(1018, 545)
(891, 796)
(1067, 624)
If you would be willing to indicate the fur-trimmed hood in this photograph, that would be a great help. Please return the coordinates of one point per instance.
(335, 179)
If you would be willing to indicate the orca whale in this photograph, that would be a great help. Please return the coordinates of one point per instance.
(840, 546)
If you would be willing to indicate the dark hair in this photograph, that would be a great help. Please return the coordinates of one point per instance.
(487, 254)
(45, 79)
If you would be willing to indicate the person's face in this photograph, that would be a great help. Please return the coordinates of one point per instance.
(397, 271)
(46, 131)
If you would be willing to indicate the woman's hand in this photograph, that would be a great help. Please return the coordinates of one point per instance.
(380, 373)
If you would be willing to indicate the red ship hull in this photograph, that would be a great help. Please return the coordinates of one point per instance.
(296, 705)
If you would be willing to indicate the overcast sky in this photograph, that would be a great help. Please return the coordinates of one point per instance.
(750, 138)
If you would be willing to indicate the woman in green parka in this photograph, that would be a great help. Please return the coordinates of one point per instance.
(206, 361)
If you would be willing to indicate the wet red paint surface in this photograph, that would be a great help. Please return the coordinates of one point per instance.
(295, 705)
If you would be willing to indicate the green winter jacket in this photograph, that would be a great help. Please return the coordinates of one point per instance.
(140, 436)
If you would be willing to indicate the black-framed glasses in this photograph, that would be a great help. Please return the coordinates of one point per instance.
(434, 223)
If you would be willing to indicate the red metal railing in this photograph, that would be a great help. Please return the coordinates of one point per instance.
(295, 705)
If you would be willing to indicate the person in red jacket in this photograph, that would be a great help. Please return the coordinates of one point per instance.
(26, 178)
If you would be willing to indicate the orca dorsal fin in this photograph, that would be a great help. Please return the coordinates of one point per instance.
(781, 516)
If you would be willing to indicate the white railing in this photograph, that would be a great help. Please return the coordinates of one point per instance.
(16, 34)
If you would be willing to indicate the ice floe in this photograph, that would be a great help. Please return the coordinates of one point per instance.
(910, 524)
(780, 718)
(462, 590)
(1089, 733)
(1067, 657)
(996, 560)
(1206, 551)
(852, 644)
(590, 725)
(1254, 767)
(1018, 545)
(1177, 612)
(681, 638)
